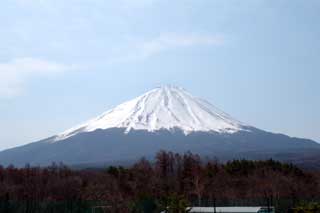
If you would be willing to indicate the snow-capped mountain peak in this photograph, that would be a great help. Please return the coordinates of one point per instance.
(166, 107)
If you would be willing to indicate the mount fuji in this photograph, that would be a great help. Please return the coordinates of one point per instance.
(165, 118)
(165, 108)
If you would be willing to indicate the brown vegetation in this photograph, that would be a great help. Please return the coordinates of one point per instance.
(172, 180)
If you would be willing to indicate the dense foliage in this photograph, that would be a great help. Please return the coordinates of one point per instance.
(172, 181)
(307, 208)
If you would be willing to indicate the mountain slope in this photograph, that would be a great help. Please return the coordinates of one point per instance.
(165, 118)
(165, 107)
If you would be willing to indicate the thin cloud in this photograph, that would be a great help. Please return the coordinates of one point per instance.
(168, 41)
(145, 49)
(136, 4)
(15, 73)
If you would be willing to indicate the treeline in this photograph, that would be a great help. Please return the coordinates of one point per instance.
(172, 181)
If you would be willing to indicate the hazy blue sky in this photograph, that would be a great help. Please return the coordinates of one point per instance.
(65, 61)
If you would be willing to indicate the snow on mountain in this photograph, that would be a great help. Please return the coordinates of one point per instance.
(166, 107)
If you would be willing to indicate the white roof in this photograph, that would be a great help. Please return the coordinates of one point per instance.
(226, 209)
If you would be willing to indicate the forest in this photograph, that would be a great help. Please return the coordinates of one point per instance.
(171, 182)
